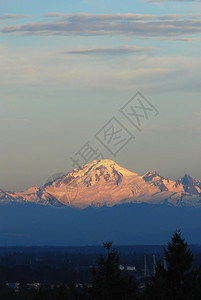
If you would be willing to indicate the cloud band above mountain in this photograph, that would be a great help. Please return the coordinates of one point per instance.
(13, 16)
(109, 51)
(140, 25)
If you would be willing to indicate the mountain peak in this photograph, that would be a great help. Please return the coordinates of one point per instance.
(104, 170)
(186, 176)
(104, 164)
(190, 185)
(104, 182)
(149, 176)
(187, 180)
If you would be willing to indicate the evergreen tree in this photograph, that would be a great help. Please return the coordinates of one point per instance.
(178, 281)
(62, 293)
(109, 282)
(39, 295)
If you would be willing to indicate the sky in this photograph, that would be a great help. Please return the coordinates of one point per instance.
(67, 70)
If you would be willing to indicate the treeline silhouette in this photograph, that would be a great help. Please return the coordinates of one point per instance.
(178, 279)
(57, 265)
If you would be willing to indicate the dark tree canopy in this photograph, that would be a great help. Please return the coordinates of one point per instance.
(178, 280)
(109, 282)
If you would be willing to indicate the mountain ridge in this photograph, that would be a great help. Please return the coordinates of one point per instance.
(104, 182)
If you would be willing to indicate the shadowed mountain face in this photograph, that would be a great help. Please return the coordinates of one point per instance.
(190, 185)
(104, 183)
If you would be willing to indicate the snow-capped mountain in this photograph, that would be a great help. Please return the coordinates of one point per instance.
(103, 182)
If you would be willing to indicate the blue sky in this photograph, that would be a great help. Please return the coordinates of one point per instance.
(68, 67)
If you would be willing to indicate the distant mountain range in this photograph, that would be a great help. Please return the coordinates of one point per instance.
(105, 183)
(102, 201)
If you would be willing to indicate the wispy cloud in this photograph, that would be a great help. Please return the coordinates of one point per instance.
(110, 51)
(164, 26)
(166, 73)
(122, 16)
(54, 15)
(13, 17)
(179, 39)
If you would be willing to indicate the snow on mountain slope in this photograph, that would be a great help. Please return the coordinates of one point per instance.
(103, 182)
